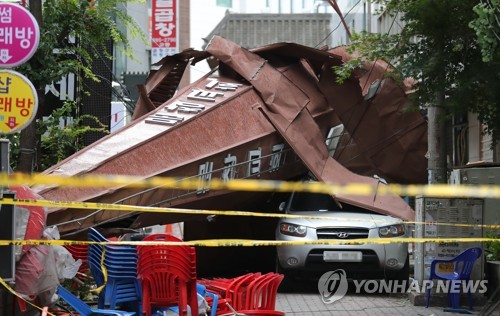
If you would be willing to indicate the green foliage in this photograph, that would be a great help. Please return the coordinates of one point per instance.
(71, 35)
(492, 248)
(77, 31)
(487, 27)
(368, 47)
(82, 289)
(58, 142)
(449, 47)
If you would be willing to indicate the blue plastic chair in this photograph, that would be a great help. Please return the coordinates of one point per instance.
(202, 291)
(463, 263)
(83, 309)
(122, 286)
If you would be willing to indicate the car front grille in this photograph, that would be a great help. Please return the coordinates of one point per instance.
(342, 233)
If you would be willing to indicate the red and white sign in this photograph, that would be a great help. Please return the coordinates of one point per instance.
(19, 35)
(164, 29)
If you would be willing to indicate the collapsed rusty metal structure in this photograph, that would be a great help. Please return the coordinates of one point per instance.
(264, 113)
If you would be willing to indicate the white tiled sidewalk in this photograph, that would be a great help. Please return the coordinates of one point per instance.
(354, 304)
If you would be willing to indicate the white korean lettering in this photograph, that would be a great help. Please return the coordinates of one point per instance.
(164, 119)
(203, 95)
(164, 15)
(24, 34)
(229, 171)
(6, 35)
(205, 177)
(6, 15)
(165, 3)
(254, 161)
(185, 107)
(227, 86)
(276, 153)
(165, 29)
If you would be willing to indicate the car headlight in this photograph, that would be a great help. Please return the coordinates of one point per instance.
(293, 230)
(391, 230)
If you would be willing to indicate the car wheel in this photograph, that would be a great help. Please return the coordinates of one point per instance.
(401, 275)
(288, 282)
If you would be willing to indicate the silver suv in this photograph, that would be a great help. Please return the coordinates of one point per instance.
(362, 261)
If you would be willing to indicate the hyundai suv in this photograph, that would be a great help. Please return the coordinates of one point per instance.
(344, 222)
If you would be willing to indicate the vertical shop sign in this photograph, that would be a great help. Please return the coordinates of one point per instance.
(19, 35)
(164, 29)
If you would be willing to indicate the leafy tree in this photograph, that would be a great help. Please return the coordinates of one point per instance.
(60, 135)
(450, 47)
(71, 33)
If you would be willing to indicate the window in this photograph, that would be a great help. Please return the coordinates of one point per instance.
(225, 3)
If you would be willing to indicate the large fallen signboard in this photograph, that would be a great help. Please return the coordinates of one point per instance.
(19, 35)
(18, 101)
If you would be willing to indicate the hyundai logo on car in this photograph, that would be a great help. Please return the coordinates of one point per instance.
(343, 235)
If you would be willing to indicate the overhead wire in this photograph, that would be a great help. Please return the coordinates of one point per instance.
(338, 25)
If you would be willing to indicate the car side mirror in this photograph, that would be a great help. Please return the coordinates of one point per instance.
(282, 206)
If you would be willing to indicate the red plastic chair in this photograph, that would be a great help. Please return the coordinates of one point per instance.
(261, 293)
(80, 252)
(168, 275)
(167, 288)
(238, 290)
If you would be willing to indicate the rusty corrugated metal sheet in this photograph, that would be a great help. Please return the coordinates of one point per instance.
(285, 107)
(387, 135)
(275, 107)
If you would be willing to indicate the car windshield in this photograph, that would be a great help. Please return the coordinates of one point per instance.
(313, 202)
(305, 201)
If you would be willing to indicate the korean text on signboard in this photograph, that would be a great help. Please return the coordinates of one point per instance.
(164, 28)
(18, 101)
(19, 35)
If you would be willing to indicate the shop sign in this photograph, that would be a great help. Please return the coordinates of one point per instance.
(19, 35)
(18, 101)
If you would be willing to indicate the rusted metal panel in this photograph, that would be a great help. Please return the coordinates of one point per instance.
(388, 135)
(278, 100)
(285, 107)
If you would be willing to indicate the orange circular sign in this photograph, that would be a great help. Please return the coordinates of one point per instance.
(18, 101)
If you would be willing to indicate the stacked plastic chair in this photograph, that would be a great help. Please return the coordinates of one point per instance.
(249, 294)
(80, 252)
(261, 294)
(168, 276)
(114, 268)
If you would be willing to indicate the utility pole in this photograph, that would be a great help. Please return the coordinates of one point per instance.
(437, 166)
(369, 16)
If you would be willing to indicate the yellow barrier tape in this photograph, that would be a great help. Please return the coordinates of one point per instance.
(134, 208)
(11, 290)
(104, 274)
(249, 242)
(434, 190)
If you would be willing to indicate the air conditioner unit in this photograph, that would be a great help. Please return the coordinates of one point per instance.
(481, 176)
